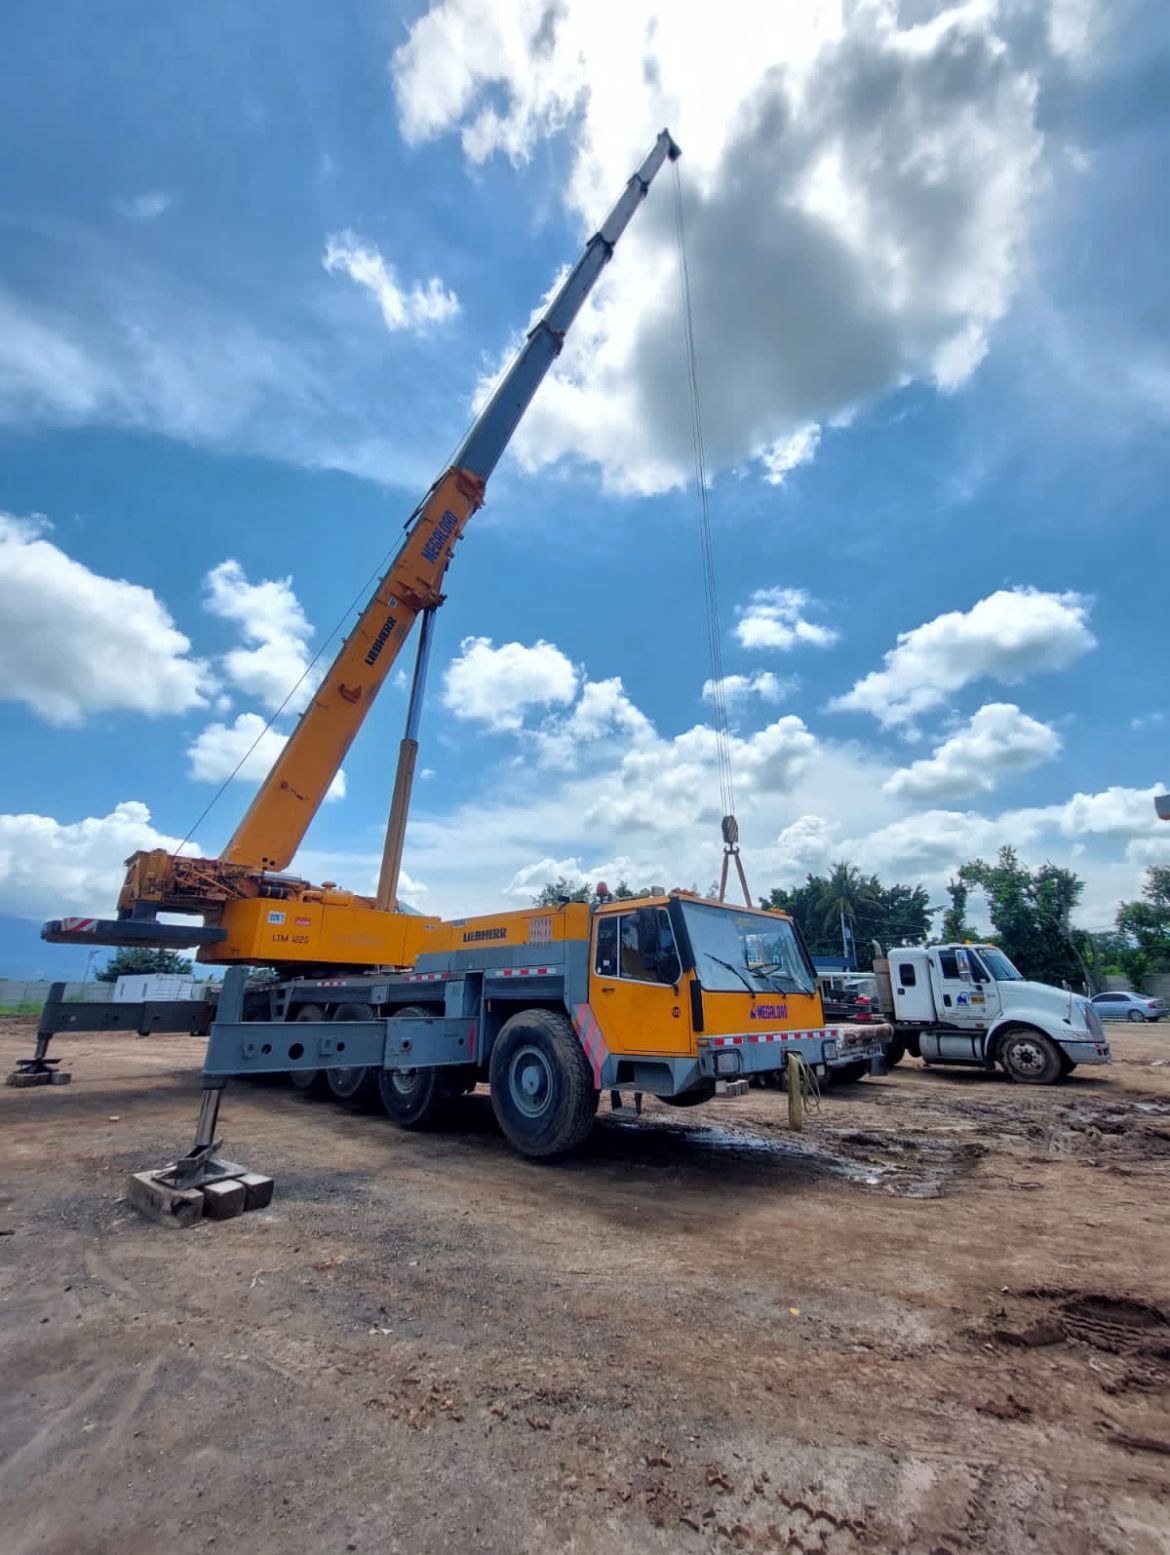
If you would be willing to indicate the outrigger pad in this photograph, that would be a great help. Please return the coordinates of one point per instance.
(223, 1191)
(31, 1071)
(175, 1207)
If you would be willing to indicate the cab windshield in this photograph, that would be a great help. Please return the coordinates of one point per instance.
(998, 965)
(736, 950)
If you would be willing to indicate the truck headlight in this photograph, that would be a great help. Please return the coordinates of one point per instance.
(726, 1063)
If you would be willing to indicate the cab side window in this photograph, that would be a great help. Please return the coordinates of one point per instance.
(633, 958)
(906, 974)
(632, 946)
(605, 962)
(948, 963)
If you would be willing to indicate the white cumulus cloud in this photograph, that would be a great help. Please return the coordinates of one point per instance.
(51, 868)
(273, 624)
(859, 182)
(998, 742)
(775, 618)
(1009, 635)
(74, 643)
(497, 686)
(412, 307)
(737, 689)
(218, 750)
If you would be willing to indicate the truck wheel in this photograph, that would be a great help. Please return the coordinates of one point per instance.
(542, 1088)
(415, 1098)
(849, 1074)
(356, 1086)
(1029, 1058)
(895, 1053)
(308, 1079)
(690, 1098)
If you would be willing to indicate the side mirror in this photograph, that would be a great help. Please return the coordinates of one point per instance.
(964, 964)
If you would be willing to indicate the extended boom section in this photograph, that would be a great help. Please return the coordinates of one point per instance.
(239, 895)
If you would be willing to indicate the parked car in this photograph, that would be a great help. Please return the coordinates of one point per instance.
(1128, 1005)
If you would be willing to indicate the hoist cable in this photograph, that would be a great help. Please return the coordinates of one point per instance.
(706, 544)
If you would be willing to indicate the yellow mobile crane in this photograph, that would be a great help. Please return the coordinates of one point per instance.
(668, 994)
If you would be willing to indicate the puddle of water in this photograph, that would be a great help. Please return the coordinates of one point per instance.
(921, 1171)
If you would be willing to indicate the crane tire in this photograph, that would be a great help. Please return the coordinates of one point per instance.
(542, 1087)
(848, 1074)
(311, 1081)
(356, 1086)
(416, 1098)
(690, 1098)
(1029, 1057)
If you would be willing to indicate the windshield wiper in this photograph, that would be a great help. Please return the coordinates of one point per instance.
(731, 967)
(776, 968)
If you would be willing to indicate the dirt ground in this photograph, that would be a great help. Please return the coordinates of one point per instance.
(936, 1321)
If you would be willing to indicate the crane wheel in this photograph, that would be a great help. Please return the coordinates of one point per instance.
(311, 1081)
(543, 1094)
(416, 1098)
(357, 1087)
(690, 1098)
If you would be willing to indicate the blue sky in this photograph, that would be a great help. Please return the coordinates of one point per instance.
(256, 268)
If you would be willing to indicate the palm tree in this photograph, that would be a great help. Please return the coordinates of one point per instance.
(847, 892)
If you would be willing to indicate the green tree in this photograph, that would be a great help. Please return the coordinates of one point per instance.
(142, 958)
(847, 894)
(1031, 912)
(888, 914)
(954, 924)
(1144, 927)
(553, 892)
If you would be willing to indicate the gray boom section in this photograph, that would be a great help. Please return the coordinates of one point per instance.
(502, 414)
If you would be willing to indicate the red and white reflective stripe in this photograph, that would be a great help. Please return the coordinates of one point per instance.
(79, 925)
(522, 971)
(767, 1036)
(425, 977)
(589, 1033)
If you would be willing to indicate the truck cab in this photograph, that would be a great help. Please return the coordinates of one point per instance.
(967, 1004)
(685, 993)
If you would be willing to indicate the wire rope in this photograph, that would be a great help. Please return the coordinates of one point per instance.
(706, 544)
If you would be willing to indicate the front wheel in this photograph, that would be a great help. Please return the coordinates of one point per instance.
(542, 1088)
(690, 1098)
(895, 1053)
(1029, 1058)
(848, 1074)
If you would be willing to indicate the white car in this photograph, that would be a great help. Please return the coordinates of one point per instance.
(1128, 1006)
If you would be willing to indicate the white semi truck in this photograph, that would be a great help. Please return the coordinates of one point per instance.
(967, 1004)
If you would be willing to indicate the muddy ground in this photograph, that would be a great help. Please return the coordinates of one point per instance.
(937, 1321)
